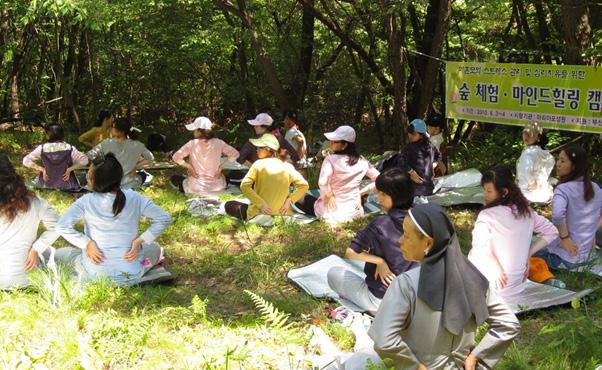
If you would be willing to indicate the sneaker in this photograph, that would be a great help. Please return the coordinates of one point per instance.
(177, 181)
(343, 315)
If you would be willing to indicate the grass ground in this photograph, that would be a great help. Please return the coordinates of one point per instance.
(206, 320)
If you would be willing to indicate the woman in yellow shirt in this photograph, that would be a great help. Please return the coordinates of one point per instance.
(268, 183)
(100, 131)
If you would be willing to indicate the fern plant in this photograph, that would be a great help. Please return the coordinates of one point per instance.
(274, 318)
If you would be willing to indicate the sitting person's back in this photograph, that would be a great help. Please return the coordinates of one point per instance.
(100, 131)
(111, 219)
(502, 235)
(534, 165)
(268, 183)
(340, 178)
(377, 245)
(20, 214)
(59, 161)
(131, 154)
(201, 157)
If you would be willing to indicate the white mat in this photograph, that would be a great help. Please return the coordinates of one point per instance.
(157, 274)
(462, 187)
(206, 207)
(312, 279)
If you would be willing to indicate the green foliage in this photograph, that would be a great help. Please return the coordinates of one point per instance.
(270, 314)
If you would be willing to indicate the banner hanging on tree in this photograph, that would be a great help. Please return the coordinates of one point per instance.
(559, 97)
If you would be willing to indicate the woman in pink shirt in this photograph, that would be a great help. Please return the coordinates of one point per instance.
(501, 238)
(204, 160)
(340, 177)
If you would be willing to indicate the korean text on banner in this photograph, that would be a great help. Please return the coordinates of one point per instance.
(560, 97)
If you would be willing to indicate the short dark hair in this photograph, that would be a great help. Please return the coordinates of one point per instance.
(436, 120)
(206, 134)
(124, 125)
(291, 114)
(102, 115)
(54, 133)
(397, 184)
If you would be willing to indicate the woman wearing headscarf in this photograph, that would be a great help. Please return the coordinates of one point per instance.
(429, 315)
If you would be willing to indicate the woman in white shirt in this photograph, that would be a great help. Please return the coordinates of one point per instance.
(534, 165)
(20, 214)
(111, 242)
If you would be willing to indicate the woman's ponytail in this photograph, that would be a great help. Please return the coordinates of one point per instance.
(107, 177)
(119, 202)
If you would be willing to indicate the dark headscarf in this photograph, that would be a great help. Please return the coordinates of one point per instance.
(448, 281)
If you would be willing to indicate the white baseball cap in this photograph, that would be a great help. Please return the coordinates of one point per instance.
(203, 123)
(346, 133)
(262, 119)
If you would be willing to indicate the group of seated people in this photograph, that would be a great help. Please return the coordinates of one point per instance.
(417, 281)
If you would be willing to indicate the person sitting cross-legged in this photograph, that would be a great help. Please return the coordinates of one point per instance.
(377, 245)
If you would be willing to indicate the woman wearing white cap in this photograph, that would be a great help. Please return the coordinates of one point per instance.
(204, 160)
(262, 124)
(268, 183)
(340, 177)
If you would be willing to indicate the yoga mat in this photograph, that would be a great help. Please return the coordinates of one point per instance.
(312, 279)
(462, 187)
(206, 207)
(157, 274)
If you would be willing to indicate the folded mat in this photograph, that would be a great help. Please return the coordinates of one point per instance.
(312, 279)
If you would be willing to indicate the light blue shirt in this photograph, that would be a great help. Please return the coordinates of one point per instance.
(113, 234)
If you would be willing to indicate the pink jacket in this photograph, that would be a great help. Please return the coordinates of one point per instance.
(343, 180)
(499, 235)
(205, 158)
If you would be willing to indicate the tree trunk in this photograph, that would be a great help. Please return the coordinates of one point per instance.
(299, 85)
(544, 31)
(14, 107)
(244, 77)
(264, 60)
(377, 123)
(349, 42)
(437, 20)
(396, 35)
(576, 31)
(67, 87)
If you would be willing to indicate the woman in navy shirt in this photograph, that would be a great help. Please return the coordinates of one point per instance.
(377, 245)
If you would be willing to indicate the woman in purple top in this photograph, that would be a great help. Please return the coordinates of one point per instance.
(59, 160)
(377, 245)
(576, 209)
